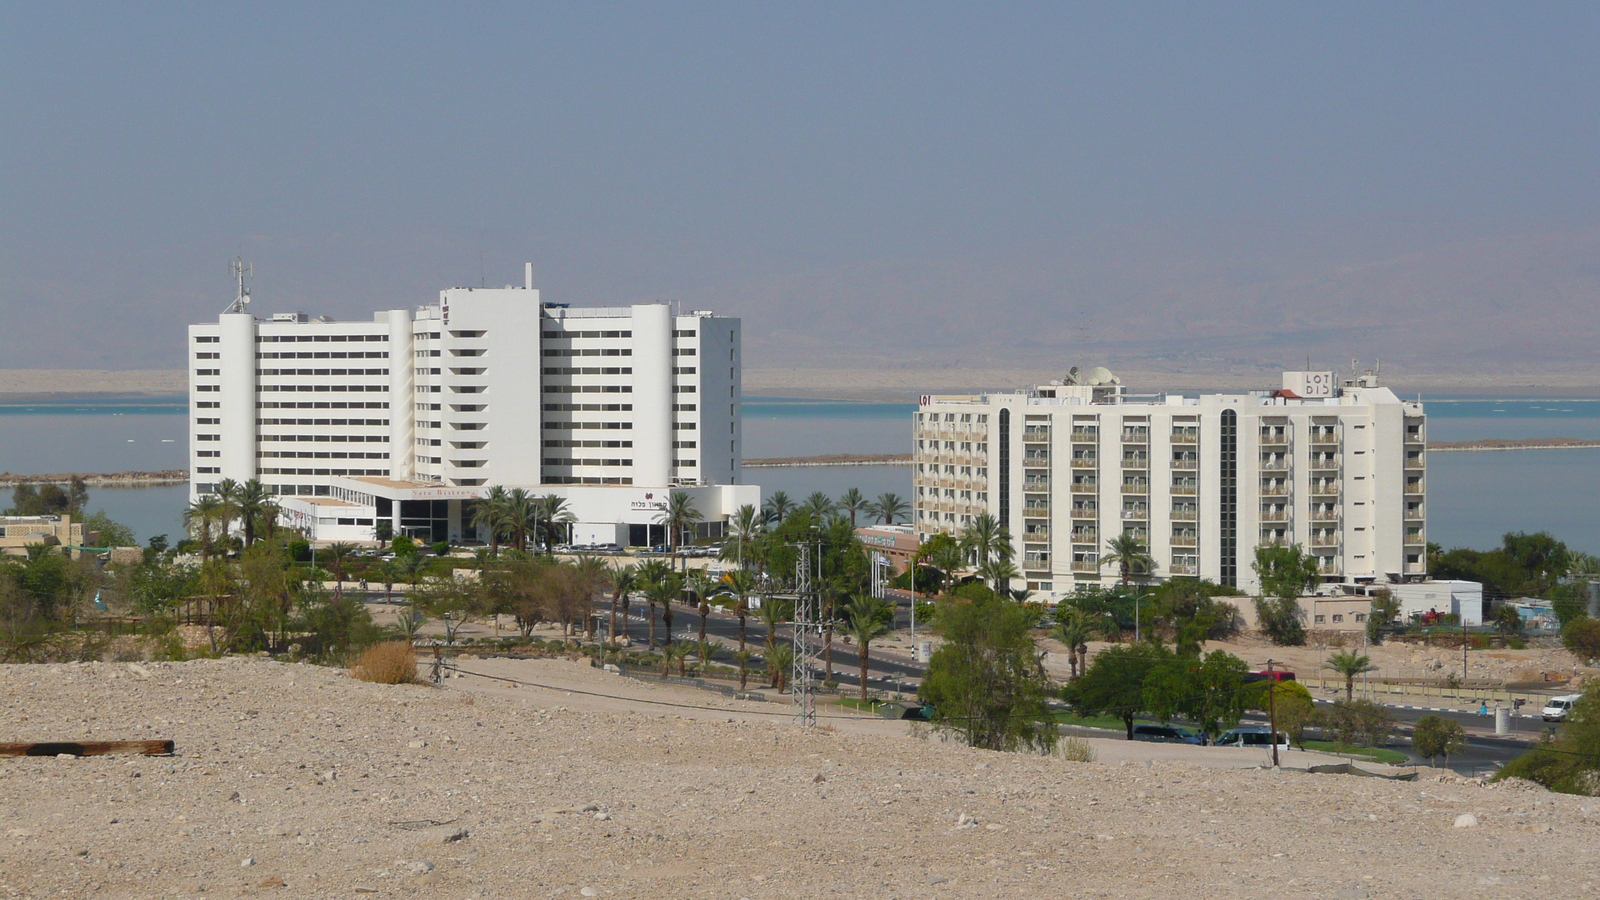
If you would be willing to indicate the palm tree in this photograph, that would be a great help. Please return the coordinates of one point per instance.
(705, 650)
(998, 574)
(228, 493)
(743, 658)
(889, 508)
(388, 573)
(338, 555)
(780, 659)
(203, 512)
(521, 516)
(853, 502)
(1580, 563)
(672, 652)
(819, 505)
(986, 539)
(489, 514)
(624, 580)
(678, 516)
(778, 507)
(1350, 665)
(251, 501)
(590, 574)
(744, 526)
(741, 584)
(551, 511)
(1074, 631)
(1129, 554)
(662, 591)
(866, 619)
(772, 614)
(702, 586)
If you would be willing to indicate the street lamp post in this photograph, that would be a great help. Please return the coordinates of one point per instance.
(1137, 634)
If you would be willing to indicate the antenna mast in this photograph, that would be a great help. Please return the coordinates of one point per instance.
(240, 270)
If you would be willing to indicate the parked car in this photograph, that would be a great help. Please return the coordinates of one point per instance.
(1556, 709)
(1165, 734)
(1252, 736)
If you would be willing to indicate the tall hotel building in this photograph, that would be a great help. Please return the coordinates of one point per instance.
(1337, 468)
(408, 417)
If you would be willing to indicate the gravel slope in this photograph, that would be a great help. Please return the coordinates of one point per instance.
(327, 786)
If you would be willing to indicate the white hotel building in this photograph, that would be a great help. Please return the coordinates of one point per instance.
(408, 417)
(1337, 468)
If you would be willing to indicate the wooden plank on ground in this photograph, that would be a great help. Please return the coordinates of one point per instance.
(85, 748)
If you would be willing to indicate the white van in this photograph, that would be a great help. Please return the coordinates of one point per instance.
(1557, 708)
(1252, 736)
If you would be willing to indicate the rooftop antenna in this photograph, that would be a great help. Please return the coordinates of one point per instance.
(240, 270)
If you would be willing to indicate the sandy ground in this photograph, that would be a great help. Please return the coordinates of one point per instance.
(296, 781)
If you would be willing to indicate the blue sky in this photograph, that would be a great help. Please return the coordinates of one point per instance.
(752, 157)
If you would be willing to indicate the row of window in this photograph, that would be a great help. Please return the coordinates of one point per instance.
(584, 479)
(320, 338)
(588, 370)
(587, 351)
(561, 335)
(588, 443)
(588, 389)
(382, 422)
(316, 472)
(320, 454)
(318, 404)
(587, 426)
(328, 438)
(316, 388)
(559, 461)
(261, 372)
(593, 407)
(321, 354)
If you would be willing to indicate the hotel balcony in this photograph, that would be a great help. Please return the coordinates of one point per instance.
(1085, 462)
(1324, 441)
(1333, 570)
(1085, 436)
(1185, 437)
(1275, 490)
(1035, 435)
(1085, 487)
(1274, 465)
(1183, 569)
(1037, 485)
(1185, 514)
(1185, 490)
(1328, 489)
(1036, 511)
(1324, 465)
(1137, 487)
(1274, 541)
(1415, 487)
(1325, 516)
(1085, 511)
(1272, 439)
(1079, 565)
(1274, 515)
(1416, 462)
(1185, 463)
(1184, 540)
(1136, 435)
(1085, 537)
(1135, 515)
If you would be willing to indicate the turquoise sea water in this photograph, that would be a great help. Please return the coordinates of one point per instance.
(1473, 497)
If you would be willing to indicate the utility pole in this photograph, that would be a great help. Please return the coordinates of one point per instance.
(1272, 711)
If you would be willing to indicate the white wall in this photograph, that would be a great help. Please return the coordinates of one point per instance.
(653, 395)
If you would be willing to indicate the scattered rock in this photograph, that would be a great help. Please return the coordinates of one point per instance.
(421, 867)
(1466, 820)
(589, 807)
(247, 862)
(364, 889)
(447, 835)
(588, 892)
(602, 817)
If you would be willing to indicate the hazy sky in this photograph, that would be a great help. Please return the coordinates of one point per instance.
(366, 156)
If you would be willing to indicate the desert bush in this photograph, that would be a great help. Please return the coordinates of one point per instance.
(1075, 750)
(1581, 636)
(394, 662)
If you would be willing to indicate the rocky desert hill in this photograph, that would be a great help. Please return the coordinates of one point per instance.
(296, 781)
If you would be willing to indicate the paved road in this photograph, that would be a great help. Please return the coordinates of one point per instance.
(891, 668)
